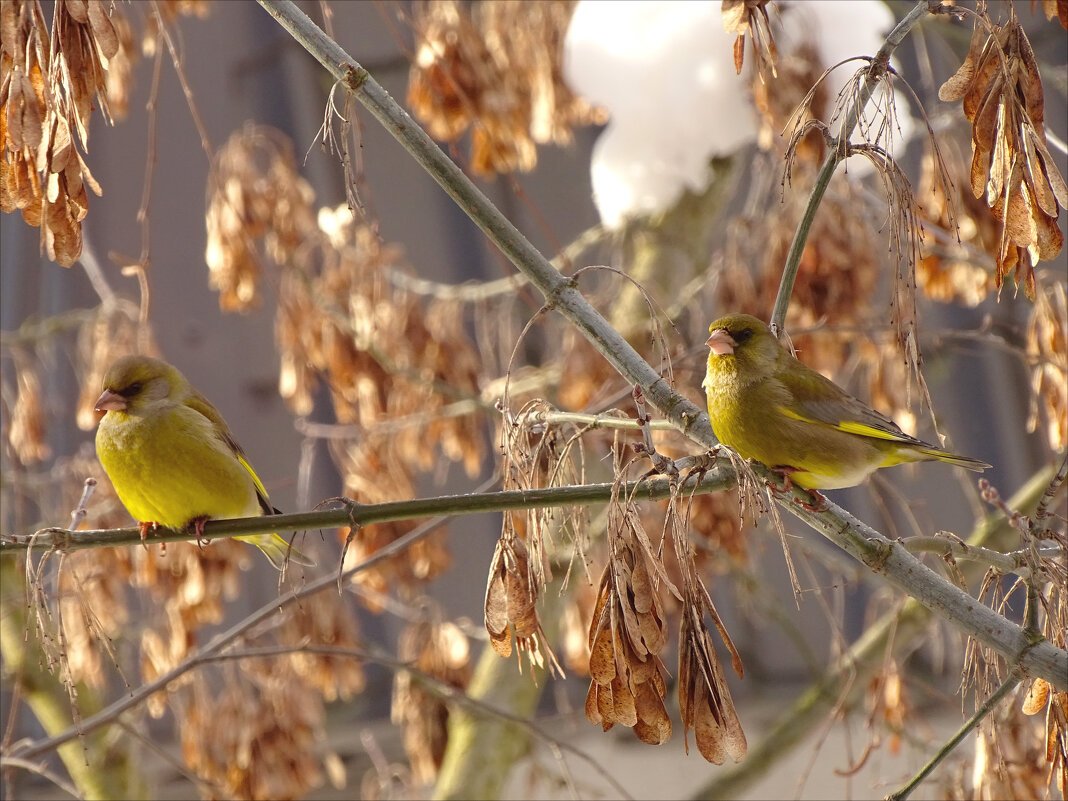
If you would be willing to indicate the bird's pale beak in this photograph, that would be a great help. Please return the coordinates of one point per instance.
(110, 402)
(721, 342)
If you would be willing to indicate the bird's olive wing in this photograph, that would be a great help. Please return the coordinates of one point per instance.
(816, 399)
(200, 404)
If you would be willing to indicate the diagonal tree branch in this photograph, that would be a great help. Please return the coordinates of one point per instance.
(851, 672)
(1028, 650)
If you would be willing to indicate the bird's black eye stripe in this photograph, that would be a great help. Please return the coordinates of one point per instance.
(131, 390)
(743, 335)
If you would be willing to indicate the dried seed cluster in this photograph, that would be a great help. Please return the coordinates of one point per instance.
(47, 87)
(496, 69)
(512, 591)
(437, 648)
(1012, 169)
(50, 82)
(742, 17)
(1047, 353)
(627, 633)
(391, 360)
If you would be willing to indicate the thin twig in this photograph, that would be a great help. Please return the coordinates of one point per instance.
(41, 770)
(81, 510)
(836, 153)
(973, 722)
(1014, 562)
(1042, 511)
(435, 686)
(187, 90)
(357, 514)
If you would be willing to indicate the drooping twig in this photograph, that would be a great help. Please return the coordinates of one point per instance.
(836, 152)
(988, 706)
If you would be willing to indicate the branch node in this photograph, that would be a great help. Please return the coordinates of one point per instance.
(355, 77)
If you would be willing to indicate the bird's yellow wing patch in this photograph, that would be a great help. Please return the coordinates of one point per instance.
(260, 490)
(853, 427)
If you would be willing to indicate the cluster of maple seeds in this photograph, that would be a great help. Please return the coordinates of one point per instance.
(627, 627)
(497, 70)
(948, 269)
(627, 633)
(268, 747)
(1002, 97)
(440, 649)
(750, 17)
(1047, 353)
(46, 91)
(512, 593)
(255, 194)
(50, 83)
(384, 353)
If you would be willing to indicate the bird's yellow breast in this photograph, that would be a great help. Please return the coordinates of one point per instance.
(169, 467)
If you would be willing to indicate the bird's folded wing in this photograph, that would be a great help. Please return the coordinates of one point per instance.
(819, 400)
(199, 403)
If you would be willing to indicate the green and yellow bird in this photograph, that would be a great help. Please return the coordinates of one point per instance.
(768, 406)
(172, 458)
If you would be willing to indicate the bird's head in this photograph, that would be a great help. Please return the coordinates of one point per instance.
(741, 342)
(134, 381)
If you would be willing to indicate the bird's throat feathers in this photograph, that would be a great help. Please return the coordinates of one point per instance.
(723, 379)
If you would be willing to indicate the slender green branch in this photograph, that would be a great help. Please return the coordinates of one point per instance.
(985, 709)
(837, 152)
(356, 514)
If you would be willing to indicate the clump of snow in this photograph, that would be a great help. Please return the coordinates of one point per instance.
(665, 73)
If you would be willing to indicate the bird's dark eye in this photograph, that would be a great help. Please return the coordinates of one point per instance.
(131, 390)
(743, 335)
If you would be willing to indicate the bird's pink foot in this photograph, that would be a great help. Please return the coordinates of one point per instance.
(788, 487)
(198, 528)
(144, 526)
(819, 506)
